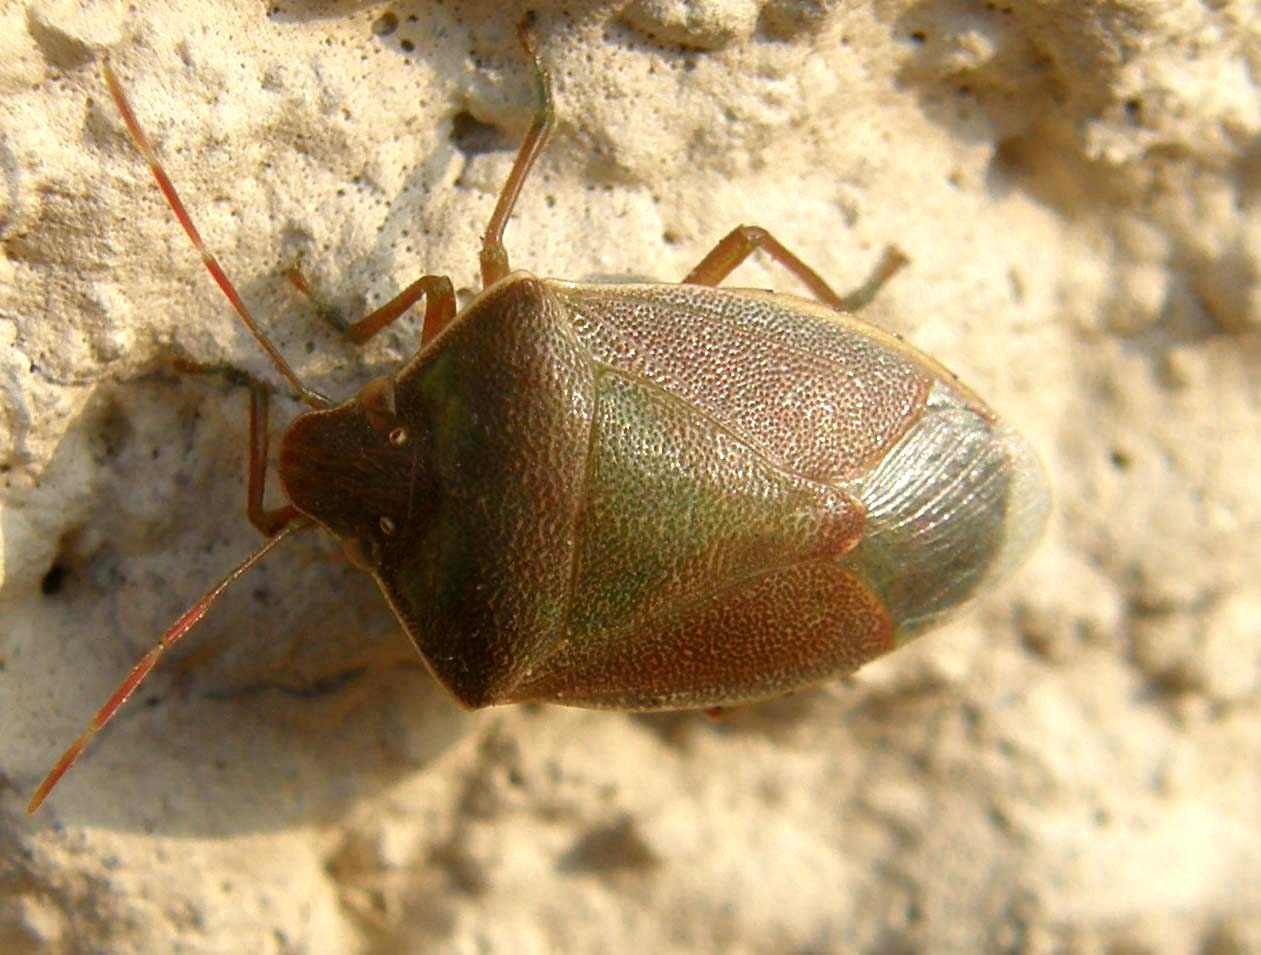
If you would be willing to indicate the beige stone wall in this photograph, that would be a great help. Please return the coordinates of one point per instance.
(1071, 767)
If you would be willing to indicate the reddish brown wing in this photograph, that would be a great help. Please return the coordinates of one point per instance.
(708, 564)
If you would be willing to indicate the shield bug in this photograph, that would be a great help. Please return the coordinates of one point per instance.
(638, 496)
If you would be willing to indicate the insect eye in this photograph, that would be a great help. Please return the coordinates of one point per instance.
(398, 437)
(388, 527)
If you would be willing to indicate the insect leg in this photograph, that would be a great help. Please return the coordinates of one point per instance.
(273, 521)
(439, 299)
(437, 291)
(494, 257)
(743, 241)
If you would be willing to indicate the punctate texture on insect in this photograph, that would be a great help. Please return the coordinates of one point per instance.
(664, 496)
(638, 496)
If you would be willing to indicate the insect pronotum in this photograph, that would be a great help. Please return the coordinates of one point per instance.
(637, 496)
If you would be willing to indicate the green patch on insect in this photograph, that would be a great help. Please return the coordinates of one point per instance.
(639, 496)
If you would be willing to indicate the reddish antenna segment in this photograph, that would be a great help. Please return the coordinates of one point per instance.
(277, 526)
(309, 395)
(187, 620)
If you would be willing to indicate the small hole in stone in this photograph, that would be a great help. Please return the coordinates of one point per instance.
(385, 24)
(473, 137)
(53, 582)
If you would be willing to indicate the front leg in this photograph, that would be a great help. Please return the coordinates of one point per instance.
(436, 290)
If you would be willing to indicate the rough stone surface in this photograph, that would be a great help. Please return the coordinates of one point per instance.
(1072, 767)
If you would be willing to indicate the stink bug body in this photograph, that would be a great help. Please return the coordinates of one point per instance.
(640, 496)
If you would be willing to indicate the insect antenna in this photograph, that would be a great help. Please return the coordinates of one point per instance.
(309, 395)
(187, 620)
